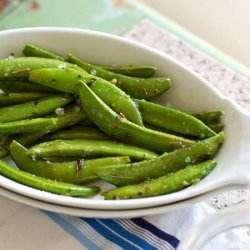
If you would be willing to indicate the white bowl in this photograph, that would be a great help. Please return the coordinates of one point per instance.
(189, 92)
(105, 213)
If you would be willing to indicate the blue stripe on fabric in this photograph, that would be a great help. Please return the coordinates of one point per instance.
(73, 230)
(96, 225)
(156, 231)
(142, 243)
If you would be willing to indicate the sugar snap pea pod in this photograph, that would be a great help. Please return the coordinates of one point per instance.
(134, 71)
(41, 183)
(25, 126)
(137, 71)
(78, 132)
(119, 128)
(67, 81)
(15, 98)
(3, 138)
(20, 66)
(9, 86)
(163, 185)
(126, 174)
(211, 119)
(86, 172)
(89, 149)
(208, 117)
(36, 51)
(71, 171)
(75, 159)
(153, 127)
(35, 108)
(216, 127)
(86, 122)
(71, 115)
(173, 120)
(136, 87)
(3, 151)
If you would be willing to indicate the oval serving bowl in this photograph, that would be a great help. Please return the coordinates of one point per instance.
(105, 213)
(189, 92)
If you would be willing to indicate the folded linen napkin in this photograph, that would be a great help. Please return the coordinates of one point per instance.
(32, 230)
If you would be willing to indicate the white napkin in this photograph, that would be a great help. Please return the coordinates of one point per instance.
(26, 228)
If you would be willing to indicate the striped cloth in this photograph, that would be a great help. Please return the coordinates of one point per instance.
(163, 231)
(131, 234)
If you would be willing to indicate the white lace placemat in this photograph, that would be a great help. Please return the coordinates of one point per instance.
(227, 81)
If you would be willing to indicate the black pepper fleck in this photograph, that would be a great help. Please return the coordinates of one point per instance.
(35, 102)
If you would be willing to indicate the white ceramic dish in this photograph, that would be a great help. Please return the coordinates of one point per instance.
(105, 214)
(189, 92)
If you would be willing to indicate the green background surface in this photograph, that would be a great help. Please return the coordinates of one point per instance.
(112, 16)
(115, 17)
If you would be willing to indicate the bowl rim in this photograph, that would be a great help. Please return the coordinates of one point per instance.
(121, 204)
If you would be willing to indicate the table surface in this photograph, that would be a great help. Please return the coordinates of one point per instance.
(112, 16)
(225, 28)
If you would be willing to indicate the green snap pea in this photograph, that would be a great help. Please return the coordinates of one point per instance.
(25, 126)
(36, 51)
(19, 67)
(89, 149)
(3, 150)
(67, 81)
(35, 108)
(2, 138)
(69, 171)
(216, 127)
(78, 132)
(163, 185)
(72, 114)
(16, 98)
(10, 86)
(87, 122)
(136, 87)
(173, 120)
(208, 117)
(119, 128)
(153, 127)
(126, 174)
(41, 183)
(136, 71)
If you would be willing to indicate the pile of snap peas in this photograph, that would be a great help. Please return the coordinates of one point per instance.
(66, 122)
